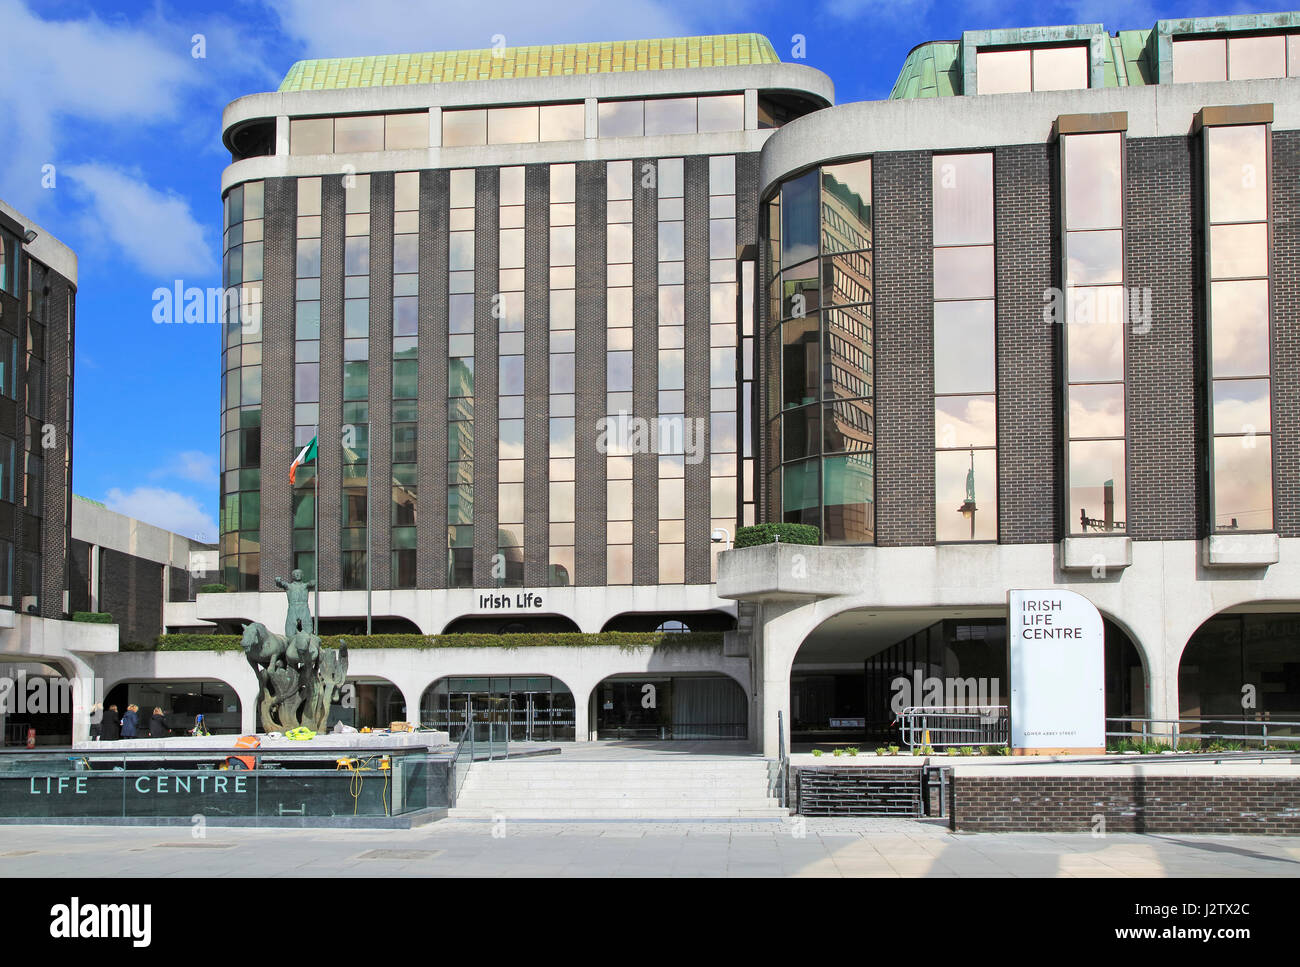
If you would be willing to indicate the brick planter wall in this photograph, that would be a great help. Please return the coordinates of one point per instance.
(1137, 804)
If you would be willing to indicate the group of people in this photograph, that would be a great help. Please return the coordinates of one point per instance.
(106, 726)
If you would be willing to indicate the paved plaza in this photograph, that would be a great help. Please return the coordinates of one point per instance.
(811, 847)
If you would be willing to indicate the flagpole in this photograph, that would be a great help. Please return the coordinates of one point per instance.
(369, 510)
(316, 552)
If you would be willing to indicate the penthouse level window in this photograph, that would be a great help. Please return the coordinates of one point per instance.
(671, 115)
(1236, 58)
(358, 133)
(525, 124)
(1034, 69)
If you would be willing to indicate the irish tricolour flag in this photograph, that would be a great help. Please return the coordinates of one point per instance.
(308, 453)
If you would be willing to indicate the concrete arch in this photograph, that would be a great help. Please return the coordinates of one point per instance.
(469, 623)
(785, 631)
(712, 619)
(244, 709)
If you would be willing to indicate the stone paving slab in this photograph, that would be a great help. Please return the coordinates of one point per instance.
(797, 847)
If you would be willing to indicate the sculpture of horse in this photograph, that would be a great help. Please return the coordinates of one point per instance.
(262, 648)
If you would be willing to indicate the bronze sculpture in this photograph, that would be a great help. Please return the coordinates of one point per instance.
(297, 679)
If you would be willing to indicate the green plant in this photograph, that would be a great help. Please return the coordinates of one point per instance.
(1000, 750)
(923, 750)
(624, 640)
(893, 750)
(818, 752)
(838, 752)
(967, 750)
(213, 589)
(881, 750)
(93, 617)
(756, 534)
(851, 750)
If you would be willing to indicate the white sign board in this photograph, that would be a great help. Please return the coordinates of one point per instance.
(1058, 689)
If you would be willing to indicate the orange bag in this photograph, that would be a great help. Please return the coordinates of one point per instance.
(245, 742)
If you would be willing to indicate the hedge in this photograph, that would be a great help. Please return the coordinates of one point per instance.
(93, 617)
(768, 533)
(213, 589)
(628, 641)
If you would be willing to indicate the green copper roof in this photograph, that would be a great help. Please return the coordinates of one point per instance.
(549, 60)
(1130, 58)
(931, 70)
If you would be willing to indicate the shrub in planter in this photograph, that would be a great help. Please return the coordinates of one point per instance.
(93, 617)
(818, 752)
(882, 751)
(893, 750)
(757, 534)
(213, 589)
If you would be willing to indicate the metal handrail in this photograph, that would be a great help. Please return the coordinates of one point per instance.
(1175, 728)
(783, 761)
(953, 725)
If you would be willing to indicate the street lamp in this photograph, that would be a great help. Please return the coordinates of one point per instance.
(968, 508)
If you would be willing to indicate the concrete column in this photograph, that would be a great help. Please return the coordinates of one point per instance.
(282, 135)
(435, 127)
(776, 691)
(593, 117)
(751, 110)
(582, 716)
(94, 577)
(248, 723)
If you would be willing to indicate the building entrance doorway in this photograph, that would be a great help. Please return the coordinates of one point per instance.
(532, 709)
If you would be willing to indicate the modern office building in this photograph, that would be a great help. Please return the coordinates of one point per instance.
(1029, 322)
(38, 286)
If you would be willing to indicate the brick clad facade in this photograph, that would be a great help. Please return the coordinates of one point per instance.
(1129, 804)
(1026, 254)
(1167, 489)
(904, 342)
(1286, 332)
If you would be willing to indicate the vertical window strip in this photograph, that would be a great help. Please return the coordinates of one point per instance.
(561, 471)
(406, 320)
(723, 346)
(460, 380)
(306, 391)
(672, 368)
(355, 442)
(965, 378)
(618, 371)
(240, 524)
(509, 311)
(1240, 397)
(1096, 311)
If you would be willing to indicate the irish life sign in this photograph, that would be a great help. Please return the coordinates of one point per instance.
(1058, 691)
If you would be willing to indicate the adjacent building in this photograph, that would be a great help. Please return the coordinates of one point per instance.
(38, 286)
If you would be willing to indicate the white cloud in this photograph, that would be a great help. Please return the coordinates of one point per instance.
(164, 508)
(344, 28)
(195, 466)
(153, 229)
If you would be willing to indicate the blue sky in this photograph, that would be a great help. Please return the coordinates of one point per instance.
(130, 119)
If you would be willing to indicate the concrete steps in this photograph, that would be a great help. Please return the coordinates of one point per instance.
(679, 788)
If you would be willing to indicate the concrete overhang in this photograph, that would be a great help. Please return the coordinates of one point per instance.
(790, 572)
(1240, 550)
(989, 120)
(795, 78)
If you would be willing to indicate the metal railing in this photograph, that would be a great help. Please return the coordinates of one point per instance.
(949, 726)
(1258, 731)
(782, 779)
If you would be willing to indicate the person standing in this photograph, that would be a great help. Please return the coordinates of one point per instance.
(111, 726)
(129, 721)
(96, 721)
(157, 724)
